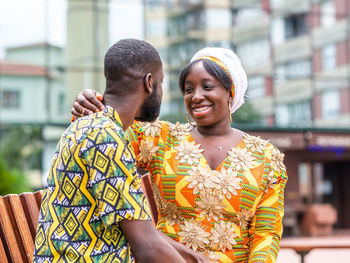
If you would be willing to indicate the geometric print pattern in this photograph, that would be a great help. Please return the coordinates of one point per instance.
(256, 242)
(92, 185)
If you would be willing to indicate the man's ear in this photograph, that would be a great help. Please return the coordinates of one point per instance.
(148, 83)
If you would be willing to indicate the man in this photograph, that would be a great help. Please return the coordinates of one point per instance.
(93, 209)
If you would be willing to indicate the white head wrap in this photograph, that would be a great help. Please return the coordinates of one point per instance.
(234, 66)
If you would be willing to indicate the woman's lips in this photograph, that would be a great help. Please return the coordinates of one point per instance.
(200, 110)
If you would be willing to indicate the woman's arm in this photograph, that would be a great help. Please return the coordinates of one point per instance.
(266, 226)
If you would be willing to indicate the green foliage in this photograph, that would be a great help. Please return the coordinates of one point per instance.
(246, 114)
(20, 151)
(21, 147)
(173, 118)
(12, 181)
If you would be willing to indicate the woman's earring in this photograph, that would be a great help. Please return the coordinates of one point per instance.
(188, 119)
(229, 108)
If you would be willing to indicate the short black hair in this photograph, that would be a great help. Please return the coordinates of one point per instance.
(212, 68)
(130, 57)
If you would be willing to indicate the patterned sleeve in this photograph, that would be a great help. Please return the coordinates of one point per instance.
(266, 226)
(144, 137)
(114, 181)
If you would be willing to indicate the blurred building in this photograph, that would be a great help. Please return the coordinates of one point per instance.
(30, 91)
(87, 43)
(295, 52)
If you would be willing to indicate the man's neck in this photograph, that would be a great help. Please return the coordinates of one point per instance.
(125, 108)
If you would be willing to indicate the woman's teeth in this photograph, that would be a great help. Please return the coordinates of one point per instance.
(200, 109)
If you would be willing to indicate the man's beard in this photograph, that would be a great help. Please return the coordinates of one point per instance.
(151, 107)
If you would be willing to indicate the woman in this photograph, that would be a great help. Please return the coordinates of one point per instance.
(218, 190)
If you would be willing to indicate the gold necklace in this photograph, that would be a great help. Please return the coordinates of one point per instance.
(218, 147)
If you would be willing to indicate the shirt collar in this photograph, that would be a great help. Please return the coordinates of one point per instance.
(112, 113)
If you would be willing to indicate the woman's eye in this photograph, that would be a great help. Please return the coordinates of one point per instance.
(208, 86)
(188, 89)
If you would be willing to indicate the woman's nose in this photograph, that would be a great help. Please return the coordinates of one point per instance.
(197, 95)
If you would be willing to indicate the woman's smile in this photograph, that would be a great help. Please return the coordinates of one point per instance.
(205, 97)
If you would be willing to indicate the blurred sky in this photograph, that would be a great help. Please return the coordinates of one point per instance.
(23, 21)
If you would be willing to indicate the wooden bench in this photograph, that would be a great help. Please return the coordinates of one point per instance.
(18, 221)
(19, 218)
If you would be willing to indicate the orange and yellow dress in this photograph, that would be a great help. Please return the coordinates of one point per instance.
(231, 214)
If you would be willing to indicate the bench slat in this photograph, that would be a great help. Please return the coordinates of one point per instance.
(31, 211)
(8, 236)
(3, 256)
(19, 218)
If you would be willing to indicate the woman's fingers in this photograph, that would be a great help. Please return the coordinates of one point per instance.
(94, 98)
(84, 106)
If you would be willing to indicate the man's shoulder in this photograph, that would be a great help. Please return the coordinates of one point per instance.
(96, 125)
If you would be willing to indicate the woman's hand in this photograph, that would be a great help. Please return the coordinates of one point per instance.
(188, 254)
(87, 102)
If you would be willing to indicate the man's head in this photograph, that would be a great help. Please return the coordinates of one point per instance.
(133, 66)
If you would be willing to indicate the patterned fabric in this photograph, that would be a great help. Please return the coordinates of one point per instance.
(231, 214)
(92, 185)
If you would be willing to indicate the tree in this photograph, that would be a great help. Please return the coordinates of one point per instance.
(12, 181)
(246, 114)
(21, 147)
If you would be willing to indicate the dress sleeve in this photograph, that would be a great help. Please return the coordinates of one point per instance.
(266, 226)
(144, 137)
(114, 181)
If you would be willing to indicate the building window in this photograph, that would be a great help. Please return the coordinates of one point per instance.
(249, 14)
(195, 21)
(256, 87)
(328, 14)
(277, 31)
(294, 70)
(294, 114)
(295, 26)
(329, 59)
(218, 18)
(10, 99)
(156, 27)
(60, 103)
(330, 104)
(277, 3)
(254, 53)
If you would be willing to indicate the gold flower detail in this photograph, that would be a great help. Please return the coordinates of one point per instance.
(188, 152)
(179, 130)
(271, 180)
(200, 178)
(255, 143)
(226, 182)
(212, 256)
(244, 216)
(223, 236)
(240, 158)
(151, 128)
(173, 215)
(277, 160)
(147, 151)
(210, 206)
(193, 235)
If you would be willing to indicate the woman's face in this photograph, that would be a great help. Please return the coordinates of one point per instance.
(206, 99)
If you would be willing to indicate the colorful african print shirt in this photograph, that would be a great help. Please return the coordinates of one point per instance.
(92, 185)
(231, 214)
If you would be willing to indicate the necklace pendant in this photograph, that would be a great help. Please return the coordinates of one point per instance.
(220, 148)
